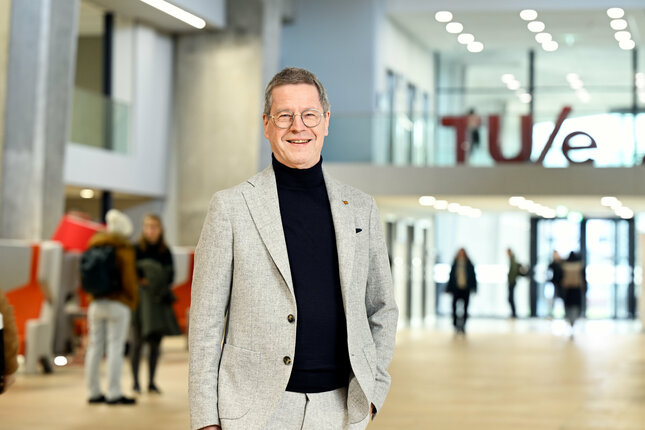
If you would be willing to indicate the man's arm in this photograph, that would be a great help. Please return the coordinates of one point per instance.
(382, 312)
(209, 301)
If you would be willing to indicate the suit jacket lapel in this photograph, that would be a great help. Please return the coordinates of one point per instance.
(262, 201)
(345, 228)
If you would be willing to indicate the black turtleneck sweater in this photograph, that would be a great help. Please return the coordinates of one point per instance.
(321, 361)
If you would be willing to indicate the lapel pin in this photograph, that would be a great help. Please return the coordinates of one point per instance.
(346, 202)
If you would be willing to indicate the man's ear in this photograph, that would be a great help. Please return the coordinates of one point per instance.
(326, 119)
(265, 120)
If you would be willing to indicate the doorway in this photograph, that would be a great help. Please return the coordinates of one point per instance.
(607, 248)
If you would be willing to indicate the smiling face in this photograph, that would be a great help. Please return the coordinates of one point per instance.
(298, 146)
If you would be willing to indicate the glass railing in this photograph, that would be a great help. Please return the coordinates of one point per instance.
(558, 138)
(100, 122)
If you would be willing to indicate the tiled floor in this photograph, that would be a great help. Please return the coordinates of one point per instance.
(526, 375)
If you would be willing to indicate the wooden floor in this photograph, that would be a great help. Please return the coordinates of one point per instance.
(523, 376)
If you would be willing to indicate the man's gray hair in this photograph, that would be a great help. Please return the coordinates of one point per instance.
(291, 76)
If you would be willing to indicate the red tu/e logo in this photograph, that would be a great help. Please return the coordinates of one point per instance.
(460, 123)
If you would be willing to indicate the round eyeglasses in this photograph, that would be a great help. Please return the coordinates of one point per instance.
(284, 119)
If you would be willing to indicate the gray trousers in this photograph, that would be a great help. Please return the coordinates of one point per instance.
(318, 411)
(109, 321)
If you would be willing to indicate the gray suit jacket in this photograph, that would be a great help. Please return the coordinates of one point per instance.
(242, 293)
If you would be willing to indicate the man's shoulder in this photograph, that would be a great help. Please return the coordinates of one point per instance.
(239, 189)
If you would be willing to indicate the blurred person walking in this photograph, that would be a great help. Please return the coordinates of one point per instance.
(9, 344)
(573, 287)
(109, 315)
(515, 270)
(154, 316)
(461, 283)
(555, 277)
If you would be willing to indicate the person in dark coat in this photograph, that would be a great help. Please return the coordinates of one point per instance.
(515, 270)
(573, 287)
(555, 270)
(154, 317)
(461, 283)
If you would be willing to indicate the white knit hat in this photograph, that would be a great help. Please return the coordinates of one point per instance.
(118, 222)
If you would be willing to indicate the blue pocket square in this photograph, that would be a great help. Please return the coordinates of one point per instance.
(358, 230)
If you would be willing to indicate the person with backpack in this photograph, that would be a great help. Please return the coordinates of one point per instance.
(154, 316)
(108, 275)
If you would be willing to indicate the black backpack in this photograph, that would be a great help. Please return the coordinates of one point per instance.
(99, 274)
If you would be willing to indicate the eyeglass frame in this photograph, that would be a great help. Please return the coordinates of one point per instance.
(293, 118)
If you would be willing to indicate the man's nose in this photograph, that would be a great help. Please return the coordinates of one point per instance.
(298, 124)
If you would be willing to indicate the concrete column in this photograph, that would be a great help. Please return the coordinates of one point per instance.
(40, 76)
(400, 258)
(5, 11)
(430, 287)
(217, 121)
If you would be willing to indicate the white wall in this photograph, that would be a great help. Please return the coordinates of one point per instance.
(143, 170)
(403, 54)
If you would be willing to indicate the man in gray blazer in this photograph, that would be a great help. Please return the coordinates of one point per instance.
(292, 273)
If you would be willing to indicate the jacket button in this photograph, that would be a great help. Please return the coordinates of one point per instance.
(287, 360)
(291, 318)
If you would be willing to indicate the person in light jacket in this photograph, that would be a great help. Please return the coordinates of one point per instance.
(292, 272)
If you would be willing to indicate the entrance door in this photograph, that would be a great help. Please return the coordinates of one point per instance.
(607, 249)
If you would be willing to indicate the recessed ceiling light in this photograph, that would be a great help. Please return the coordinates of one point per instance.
(507, 77)
(454, 27)
(627, 44)
(87, 193)
(60, 360)
(525, 98)
(513, 85)
(536, 26)
(443, 16)
(639, 78)
(453, 207)
(475, 47)
(608, 201)
(475, 213)
(528, 14)
(561, 211)
(426, 200)
(625, 212)
(550, 46)
(516, 200)
(576, 85)
(543, 37)
(618, 24)
(441, 204)
(465, 38)
(583, 95)
(622, 35)
(615, 12)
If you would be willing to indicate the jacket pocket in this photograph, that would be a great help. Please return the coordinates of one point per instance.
(238, 374)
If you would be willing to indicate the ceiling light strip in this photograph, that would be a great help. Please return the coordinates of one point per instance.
(177, 13)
